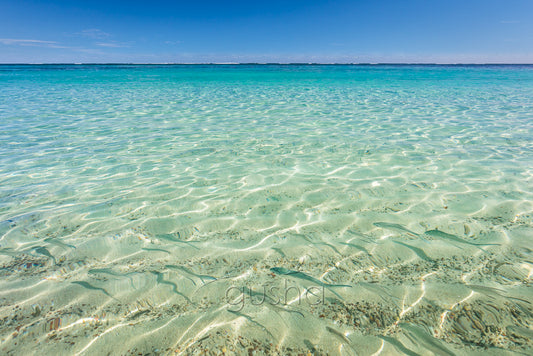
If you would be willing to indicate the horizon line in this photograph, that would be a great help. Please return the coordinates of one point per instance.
(272, 63)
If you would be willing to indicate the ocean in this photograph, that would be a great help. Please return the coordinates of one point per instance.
(266, 209)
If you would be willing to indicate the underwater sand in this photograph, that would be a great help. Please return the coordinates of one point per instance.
(211, 210)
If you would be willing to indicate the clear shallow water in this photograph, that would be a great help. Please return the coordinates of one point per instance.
(136, 203)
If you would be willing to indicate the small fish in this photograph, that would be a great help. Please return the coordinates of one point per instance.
(485, 289)
(301, 275)
(492, 292)
(173, 238)
(188, 271)
(398, 345)
(44, 251)
(262, 296)
(342, 337)
(8, 251)
(138, 313)
(87, 285)
(328, 245)
(431, 343)
(339, 334)
(359, 247)
(446, 236)
(315, 243)
(111, 273)
(56, 241)
(397, 227)
(278, 250)
(296, 274)
(271, 302)
(155, 250)
(310, 346)
(104, 271)
(249, 318)
(379, 290)
(419, 252)
(160, 280)
(363, 237)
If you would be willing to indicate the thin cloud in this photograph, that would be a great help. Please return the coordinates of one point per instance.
(24, 42)
(33, 43)
(113, 44)
(94, 33)
(173, 42)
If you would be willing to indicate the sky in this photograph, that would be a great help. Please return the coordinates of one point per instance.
(196, 31)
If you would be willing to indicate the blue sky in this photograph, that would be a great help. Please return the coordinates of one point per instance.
(451, 31)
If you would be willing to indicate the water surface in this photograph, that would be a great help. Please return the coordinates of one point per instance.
(142, 209)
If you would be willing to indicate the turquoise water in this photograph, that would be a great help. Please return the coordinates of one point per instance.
(136, 203)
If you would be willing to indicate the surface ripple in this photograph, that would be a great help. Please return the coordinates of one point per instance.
(147, 209)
